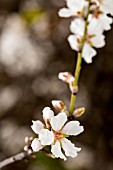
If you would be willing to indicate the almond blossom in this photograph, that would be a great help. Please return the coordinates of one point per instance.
(74, 8)
(105, 5)
(94, 38)
(100, 17)
(103, 21)
(92, 13)
(56, 135)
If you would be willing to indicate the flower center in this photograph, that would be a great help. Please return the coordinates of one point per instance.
(58, 135)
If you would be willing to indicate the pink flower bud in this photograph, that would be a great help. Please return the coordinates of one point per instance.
(66, 77)
(58, 105)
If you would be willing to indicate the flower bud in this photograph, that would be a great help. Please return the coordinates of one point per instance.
(66, 77)
(74, 89)
(26, 147)
(26, 139)
(79, 112)
(58, 105)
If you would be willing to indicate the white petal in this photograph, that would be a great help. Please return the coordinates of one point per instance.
(56, 151)
(72, 128)
(88, 53)
(36, 145)
(107, 6)
(57, 122)
(105, 21)
(69, 148)
(77, 26)
(37, 126)
(72, 39)
(64, 12)
(98, 41)
(47, 113)
(94, 27)
(46, 137)
(75, 5)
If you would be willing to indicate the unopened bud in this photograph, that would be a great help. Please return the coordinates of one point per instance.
(31, 138)
(74, 89)
(79, 112)
(58, 105)
(66, 77)
(26, 139)
(30, 151)
(26, 148)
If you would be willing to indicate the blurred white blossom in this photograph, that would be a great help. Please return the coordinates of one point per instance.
(19, 54)
(8, 97)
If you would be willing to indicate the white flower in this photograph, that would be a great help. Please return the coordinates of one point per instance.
(94, 38)
(60, 131)
(105, 5)
(56, 136)
(74, 7)
(102, 20)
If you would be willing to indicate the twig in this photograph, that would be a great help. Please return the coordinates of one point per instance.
(23, 155)
(79, 61)
(14, 158)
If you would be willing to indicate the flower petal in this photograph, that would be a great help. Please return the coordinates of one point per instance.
(46, 137)
(88, 53)
(92, 27)
(107, 6)
(77, 26)
(36, 145)
(56, 151)
(57, 122)
(98, 41)
(72, 128)
(75, 6)
(69, 148)
(37, 126)
(47, 113)
(73, 41)
(64, 12)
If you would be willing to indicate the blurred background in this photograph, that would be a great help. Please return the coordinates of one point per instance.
(33, 50)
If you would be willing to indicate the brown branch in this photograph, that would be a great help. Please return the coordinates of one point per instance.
(23, 155)
(14, 158)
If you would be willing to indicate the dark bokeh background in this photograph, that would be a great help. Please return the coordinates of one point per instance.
(33, 50)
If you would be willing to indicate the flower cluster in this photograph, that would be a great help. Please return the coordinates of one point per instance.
(94, 14)
(55, 132)
(90, 21)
